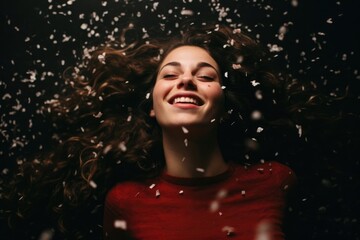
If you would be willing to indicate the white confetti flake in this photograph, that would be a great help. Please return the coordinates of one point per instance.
(152, 186)
(93, 184)
(259, 129)
(155, 5)
(256, 115)
(98, 115)
(5, 171)
(222, 194)
(243, 192)
(187, 12)
(258, 95)
(200, 170)
(186, 142)
(274, 48)
(6, 96)
(236, 66)
(299, 128)
(181, 192)
(84, 26)
(282, 31)
(101, 58)
(294, 3)
(254, 83)
(157, 194)
(46, 234)
(122, 146)
(107, 149)
(214, 206)
(228, 230)
(185, 130)
(120, 224)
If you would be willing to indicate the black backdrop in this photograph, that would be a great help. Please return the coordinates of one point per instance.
(39, 39)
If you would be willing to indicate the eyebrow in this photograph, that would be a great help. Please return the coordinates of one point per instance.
(198, 66)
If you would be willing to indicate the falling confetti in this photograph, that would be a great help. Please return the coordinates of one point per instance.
(43, 38)
(185, 130)
(120, 224)
(201, 170)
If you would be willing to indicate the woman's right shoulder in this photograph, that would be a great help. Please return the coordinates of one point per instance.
(128, 189)
(125, 188)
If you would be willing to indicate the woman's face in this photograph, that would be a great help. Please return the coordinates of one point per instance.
(188, 91)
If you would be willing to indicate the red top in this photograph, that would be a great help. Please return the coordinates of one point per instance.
(241, 203)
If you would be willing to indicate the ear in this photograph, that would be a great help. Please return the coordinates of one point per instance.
(152, 113)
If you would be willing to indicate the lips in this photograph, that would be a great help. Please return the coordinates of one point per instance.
(186, 99)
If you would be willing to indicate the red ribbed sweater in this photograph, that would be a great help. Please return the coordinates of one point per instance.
(245, 202)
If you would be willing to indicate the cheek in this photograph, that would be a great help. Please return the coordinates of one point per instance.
(217, 96)
(159, 93)
(215, 93)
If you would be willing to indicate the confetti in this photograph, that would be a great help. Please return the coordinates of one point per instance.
(254, 83)
(200, 170)
(122, 146)
(214, 206)
(256, 115)
(157, 194)
(120, 224)
(92, 184)
(187, 12)
(228, 230)
(185, 130)
(33, 66)
(259, 129)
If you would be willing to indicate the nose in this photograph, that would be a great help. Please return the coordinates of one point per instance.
(187, 81)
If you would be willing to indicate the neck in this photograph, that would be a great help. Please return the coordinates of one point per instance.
(192, 155)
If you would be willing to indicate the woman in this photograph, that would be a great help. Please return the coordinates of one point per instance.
(200, 194)
(178, 134)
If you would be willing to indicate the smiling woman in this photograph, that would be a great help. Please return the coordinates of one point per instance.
(203, 81)
(191, 101)
(188, 92)
(164, 137)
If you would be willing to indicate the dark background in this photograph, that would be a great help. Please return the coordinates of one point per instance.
(40, 39)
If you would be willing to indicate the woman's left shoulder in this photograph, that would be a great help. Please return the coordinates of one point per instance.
(280, 173)
(280, 167)
(285, 175)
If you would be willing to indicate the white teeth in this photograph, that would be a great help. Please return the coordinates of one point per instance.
(185, 100)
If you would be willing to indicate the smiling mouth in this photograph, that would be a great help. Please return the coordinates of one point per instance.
(186, 100)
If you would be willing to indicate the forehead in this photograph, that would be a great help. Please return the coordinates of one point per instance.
(189, 54)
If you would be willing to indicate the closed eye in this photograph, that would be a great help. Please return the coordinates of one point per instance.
(205, 78)
(170, 76)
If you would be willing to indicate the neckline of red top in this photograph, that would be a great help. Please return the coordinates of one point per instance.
(197, 181)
